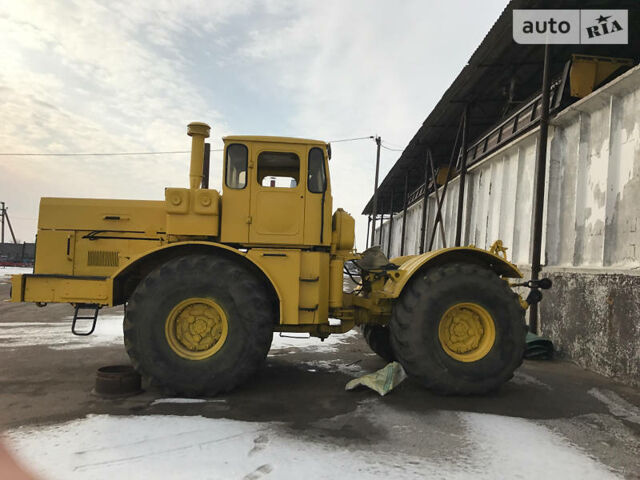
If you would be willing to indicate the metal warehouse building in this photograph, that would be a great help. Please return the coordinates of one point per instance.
(470, 174)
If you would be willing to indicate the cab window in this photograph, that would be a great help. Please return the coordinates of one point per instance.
(278, 169)
(236, 168)
(317, 180)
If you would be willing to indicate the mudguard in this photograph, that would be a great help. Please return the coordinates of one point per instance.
(408, 266)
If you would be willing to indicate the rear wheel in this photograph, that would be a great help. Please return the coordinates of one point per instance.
(459, 329)
(378, 339)
(199, 325)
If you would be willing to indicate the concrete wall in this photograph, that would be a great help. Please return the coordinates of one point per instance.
(591, 237)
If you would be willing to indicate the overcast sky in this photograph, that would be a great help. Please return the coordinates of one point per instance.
(85, 76)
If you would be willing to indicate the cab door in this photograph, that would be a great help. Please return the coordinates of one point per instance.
(277, 194)
(236, 188)
(317, 215)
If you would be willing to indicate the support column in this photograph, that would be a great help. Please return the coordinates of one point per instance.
(404, 213)
(425, 197)
(463, 174)
(538, 199)
(366, 245)
(390, 225)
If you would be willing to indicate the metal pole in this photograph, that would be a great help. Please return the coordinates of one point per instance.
(205, 165)
(368, 226)
(404, 213)
(463, 175)
(375, 188)
(540, 172)
(390, 225)
(2, 209)
(438, 221)
(380, 235)
(423, 221)
(446, 183)
(13, 235)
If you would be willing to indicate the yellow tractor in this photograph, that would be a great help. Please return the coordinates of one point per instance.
(206, 279)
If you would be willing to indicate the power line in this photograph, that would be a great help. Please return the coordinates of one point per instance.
(392, 149)
(351, 139)
(93, 154)
(168, 152)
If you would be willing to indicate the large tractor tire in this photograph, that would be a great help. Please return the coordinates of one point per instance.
(199, 325)
(379, 341)
(459, 329)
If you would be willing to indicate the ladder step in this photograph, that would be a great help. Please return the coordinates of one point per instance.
(93, 317)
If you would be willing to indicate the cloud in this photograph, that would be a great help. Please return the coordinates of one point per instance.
(362, 68)
(87, 76)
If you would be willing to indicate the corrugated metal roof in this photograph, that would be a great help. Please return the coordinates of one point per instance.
(498, 77)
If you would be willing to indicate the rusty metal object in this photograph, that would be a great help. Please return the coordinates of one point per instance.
(117, 381)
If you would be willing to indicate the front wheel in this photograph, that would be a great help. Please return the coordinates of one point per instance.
(199, 325)
(459, 329)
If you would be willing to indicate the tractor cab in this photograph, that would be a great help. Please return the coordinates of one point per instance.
(276, 190)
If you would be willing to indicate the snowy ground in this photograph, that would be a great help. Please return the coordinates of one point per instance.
(6, 272)
(159, 446)
(58, 336)
(552, 421)
(303, 340)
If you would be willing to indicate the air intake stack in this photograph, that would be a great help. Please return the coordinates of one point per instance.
(198, 131)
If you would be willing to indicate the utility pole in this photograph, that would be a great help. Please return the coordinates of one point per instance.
(375, 189)
(5, 217)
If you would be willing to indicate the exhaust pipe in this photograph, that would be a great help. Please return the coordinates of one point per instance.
(198, 131)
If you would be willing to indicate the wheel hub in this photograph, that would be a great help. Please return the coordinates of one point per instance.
(196, 328)
(467, 332)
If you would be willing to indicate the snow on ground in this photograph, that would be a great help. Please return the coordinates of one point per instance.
(58, 336)
(158, 446)
(183, 400)
(617, 405)
(352, 369)
(303, 340)
(6, 272)
(515, 447)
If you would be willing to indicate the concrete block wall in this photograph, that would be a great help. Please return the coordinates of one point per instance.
(591, 237)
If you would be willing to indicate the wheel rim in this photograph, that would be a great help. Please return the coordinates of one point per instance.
(467, 332)
(196, 328)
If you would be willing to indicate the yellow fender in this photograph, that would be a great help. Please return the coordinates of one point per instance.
(159, 255)
(412, 264)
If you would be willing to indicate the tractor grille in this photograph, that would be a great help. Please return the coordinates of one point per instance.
(102, 258)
